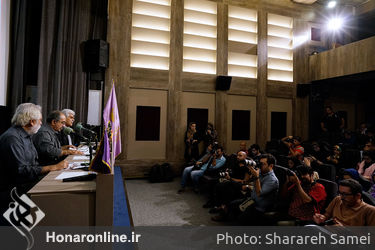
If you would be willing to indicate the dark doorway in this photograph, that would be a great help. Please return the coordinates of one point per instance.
(278, 125)
(241, 124)
(147, 123)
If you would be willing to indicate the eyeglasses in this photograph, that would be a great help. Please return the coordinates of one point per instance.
(344, 194)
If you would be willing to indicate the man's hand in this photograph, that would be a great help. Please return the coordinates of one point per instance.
(227, 176)
(307, 161)
(293, 179)
(68, 147)
(254, 172)
(319, 218)
(72, 152)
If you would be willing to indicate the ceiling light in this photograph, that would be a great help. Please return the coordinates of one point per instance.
(331, 4)
(335, 23)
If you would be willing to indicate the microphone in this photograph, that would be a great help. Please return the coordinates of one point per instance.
(80, 127)
(68, 131)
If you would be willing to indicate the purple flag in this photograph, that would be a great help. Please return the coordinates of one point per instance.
(112, 134)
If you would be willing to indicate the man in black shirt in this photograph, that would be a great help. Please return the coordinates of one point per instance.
(19, 158)
(331, 125)
(47, 143)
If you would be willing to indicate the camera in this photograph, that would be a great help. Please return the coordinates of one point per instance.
(224, 173)
(290, 140)
(214, 147)
(249, 162)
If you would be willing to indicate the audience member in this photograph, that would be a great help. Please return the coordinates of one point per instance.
(331, 125)
(264, 193)
(307, 196)
(335, 158)
(210, 135)
(191, 143)
(231, 184)
(243, 147)
(348, 209)
(372, 190)
(47, 143)
(367, 167)
(293, 162)
(255, 152)
(212, 160)
(294, 145)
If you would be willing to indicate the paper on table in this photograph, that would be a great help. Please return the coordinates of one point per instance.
(81, 157)
(64, 175)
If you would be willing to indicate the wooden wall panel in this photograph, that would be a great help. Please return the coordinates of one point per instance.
(349, 59)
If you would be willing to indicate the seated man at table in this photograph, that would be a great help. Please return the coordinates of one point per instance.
(70, 139)
(47, 143)
(19, 166)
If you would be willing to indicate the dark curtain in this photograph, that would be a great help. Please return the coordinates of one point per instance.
(66, 24)
(16, 56)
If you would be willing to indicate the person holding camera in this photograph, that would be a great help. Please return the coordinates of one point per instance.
(348, 208)
(210, 135)
(264, 193)
(294, 145)
(231, 183)
(214, 159)
(307, 197)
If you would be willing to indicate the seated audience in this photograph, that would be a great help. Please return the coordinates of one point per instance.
(70, 139)
(243, 147)
(319, 156)
(293, 163)
(212, 160)
(19, 158)
(231, 184)
(336, 158)
(264, 193)
(47, 143)
(367, 167)
(307, 196)
(255, 153)
(294, 145)
(372, 190)
(348, 208)
(349, 140)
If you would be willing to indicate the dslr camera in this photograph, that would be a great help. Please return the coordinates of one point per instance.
(224, 173)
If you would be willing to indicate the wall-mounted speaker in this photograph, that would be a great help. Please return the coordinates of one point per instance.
(223, 82)
(96, 55)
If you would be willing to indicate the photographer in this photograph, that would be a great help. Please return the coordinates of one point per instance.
(214, 159)
(307, 196)
(210, 135)
(295, 149)
(232, 182)
(265, 191)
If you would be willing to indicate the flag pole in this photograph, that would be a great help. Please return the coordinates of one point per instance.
(112, 151)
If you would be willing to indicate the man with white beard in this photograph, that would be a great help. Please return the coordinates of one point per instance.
(19, 158)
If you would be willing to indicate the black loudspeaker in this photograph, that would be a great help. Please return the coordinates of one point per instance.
(96, 55)
(223, 82)
(303, 90)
